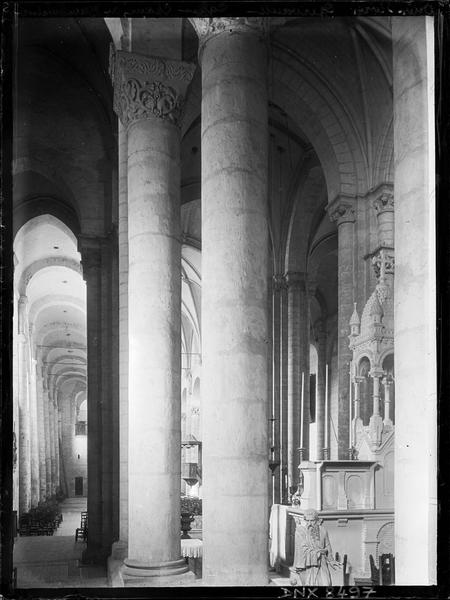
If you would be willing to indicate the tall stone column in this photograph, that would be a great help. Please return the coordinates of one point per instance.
(148, 99)
(24, 412)
(91, 261)
(34, 452)
(275, 433)
(51, 417)
(56, 441)
(42, 436)
(415, 301)
(342, 211)
(298, 364)
(48, 458)
(235, 332)
(320, 401)
(123, 331)
(284, 389)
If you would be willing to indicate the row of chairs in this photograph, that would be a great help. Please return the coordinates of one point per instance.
(384, 574)
(29, 526)
(82, 531)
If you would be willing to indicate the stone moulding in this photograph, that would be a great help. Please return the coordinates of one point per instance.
(148, 86)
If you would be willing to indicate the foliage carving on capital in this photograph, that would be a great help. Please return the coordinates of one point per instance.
(342, 211)
(148, 86)
(207, 27)
(384, 202)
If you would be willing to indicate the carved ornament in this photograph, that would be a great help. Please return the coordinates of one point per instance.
(384, 202)
(208, 27)
(342, 210)
(383, 263)
(148, 87)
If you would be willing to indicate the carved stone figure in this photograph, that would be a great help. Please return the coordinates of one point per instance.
(313, 555)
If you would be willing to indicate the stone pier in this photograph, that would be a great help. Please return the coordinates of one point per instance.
(234, 300)
(154, 305)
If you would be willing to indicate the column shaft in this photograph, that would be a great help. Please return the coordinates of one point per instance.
(276, 384)
(284, 394)
(154, 300)
(415, 301)
(123, 330)
(234, 308)
(24, 433)
(320, 401)
(91, 263)
(48, 458)
(42, 436)
(342, 210)
(298, 364)
(34, 452)
(51, 416)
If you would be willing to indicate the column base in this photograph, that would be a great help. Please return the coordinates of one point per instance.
(168, 574)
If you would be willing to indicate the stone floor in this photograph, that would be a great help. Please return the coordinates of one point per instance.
(53, 561)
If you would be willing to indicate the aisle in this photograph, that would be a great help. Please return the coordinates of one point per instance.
(53, 561)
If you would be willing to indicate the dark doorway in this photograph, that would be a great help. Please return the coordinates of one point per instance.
(78, 486)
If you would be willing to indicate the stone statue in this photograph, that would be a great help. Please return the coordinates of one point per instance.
(313, 556)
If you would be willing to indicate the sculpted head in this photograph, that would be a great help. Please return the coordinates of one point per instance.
(311, 517)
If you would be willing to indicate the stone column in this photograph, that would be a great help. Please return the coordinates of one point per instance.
(56, 441)
(51, 413)
(123, 331)
(284, 331)
(34, 450)
(415, 301)
(342, 211)
(387, 421)
(298, 363)
(42, 436)
(90, 249)
(235, 332)
(148, 99)
(376, 422)
(24, 413)
(320, 401)
(48, 458)
(275, 434)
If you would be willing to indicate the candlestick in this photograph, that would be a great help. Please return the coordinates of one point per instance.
(302, 407)
(350, 408)
(326, 407)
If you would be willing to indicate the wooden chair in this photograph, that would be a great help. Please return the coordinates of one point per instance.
(81, 532)
(387, 569)
(374, 572)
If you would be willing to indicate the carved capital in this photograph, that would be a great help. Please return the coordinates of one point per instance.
(208, 27)
(148, 87)
(384, 202)
(342, 210)
(383, 262)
